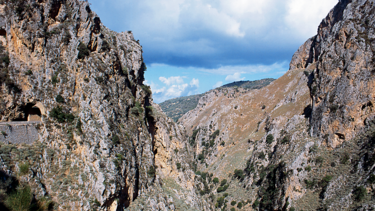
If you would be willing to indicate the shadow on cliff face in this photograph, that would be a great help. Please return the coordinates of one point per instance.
(28, 112)
(15, 196)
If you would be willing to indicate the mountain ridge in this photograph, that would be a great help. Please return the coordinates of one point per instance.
(177, 107)
(304, 142)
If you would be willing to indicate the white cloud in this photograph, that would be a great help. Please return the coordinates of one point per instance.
(194, 82)
(303, 17)
(188, 29)
(218, 84)
(234, 77)
(175, 87)
(171, 80)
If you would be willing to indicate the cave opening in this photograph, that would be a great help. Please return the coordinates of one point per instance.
(30, 113)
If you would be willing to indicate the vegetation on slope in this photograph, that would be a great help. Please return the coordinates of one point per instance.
(177, 107)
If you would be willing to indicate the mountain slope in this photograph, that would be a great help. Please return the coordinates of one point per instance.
(306, 141)
(177, 107)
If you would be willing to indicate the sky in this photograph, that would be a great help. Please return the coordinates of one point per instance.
(192, 46)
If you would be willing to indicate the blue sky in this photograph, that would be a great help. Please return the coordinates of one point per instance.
(192, 46)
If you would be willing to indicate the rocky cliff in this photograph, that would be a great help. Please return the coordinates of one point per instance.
(306, 141)
(101, 142)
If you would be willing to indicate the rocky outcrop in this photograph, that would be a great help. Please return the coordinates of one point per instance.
(303, 56)
(316, 155)
(101, 143)
(305, 141)
(342, 87)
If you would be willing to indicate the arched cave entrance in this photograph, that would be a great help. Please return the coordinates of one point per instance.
(29, 112)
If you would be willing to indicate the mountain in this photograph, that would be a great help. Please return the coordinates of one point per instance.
(258, 84)
(94, 140)
(80, 131)
(306, 141)
(177, 107)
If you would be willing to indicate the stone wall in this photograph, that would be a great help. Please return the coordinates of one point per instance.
(19, 132)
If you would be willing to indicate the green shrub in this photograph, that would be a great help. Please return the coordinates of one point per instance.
(222, 188)
(215, 134)
(223, 182)
(20, 199)
(83, 51)
(125, 70)
(292, 209)
(67, 38)
(333, 108)
(232, 209)
(212, 143)
(325, 181)
(239, 205)
(149, 111)
(105, 46)
(24, 168)
(222, 143)
(310, 184)
(178, 165)
(307, 73)
(55, 79)
(6, 60)
(151, 172)
(313, 148)
(345, 158)
(29, 72)
(308, 168)
(269, 139)
(314, 90)
(371, 179)
(359, 193)
(220, 202)
(256, 204)
(225, 194)
(147, 89)
(216, 180)
(195, 132)
(115, 139)
(319, 159)
(59, 99)
(137, 109)
(285, 140)
(79, 126)
(201, 157)
(239, 174)
(96, 202)
(233, 203)
(99, 79)
(60, 116)
(262, 155)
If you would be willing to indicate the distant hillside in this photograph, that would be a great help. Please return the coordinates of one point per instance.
(258, 84)
(177, 107)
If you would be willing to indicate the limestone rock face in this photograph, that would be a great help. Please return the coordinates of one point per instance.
(303, 56)
(306, 141)
(343, 83)
(101, 144)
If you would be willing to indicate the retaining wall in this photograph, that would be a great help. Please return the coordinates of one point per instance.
(19, 132)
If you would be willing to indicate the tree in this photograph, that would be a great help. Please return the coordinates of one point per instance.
(269, 139)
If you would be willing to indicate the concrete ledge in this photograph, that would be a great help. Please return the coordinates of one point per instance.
(19, 132)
